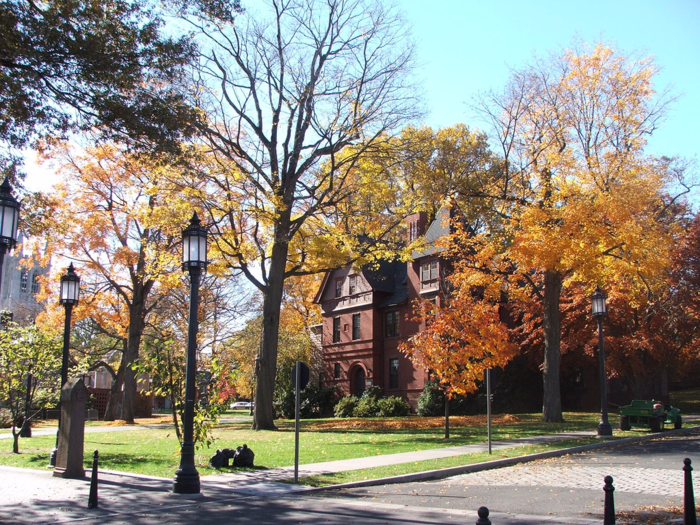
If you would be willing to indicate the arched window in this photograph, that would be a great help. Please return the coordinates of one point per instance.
(360, 382)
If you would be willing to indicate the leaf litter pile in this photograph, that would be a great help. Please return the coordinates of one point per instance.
(408, 423)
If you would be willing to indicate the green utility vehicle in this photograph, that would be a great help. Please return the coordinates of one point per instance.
(653, 415)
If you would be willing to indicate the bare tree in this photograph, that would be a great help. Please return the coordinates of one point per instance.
(293, 96)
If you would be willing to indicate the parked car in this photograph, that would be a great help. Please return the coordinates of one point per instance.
(242, 405)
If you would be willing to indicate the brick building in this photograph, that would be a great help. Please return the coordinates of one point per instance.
(367, 312)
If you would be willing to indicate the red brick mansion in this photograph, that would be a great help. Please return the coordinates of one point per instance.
(367, 312)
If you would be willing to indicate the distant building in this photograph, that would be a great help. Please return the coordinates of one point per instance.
(367, 313)
(20, 287)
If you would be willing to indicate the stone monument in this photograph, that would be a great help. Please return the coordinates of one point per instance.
(69, 457)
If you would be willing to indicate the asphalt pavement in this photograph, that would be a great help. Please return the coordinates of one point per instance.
(566, 489)
(555, 490)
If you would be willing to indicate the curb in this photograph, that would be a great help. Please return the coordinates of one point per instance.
(499, 463)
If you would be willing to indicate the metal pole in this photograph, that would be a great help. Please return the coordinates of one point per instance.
(3, 251)
(26, 431)
(604, 428)
(488, 405)
(186, 477)
(447, 416)
(64, 376)
(297, 380)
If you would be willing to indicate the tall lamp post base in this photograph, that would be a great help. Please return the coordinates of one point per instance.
(604, 429)
(186, 477)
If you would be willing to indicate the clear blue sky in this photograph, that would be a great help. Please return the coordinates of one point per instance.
(467, 46)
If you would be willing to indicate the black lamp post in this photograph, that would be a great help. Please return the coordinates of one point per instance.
(69, 295)
(599, 311)
(9, 219)
(194, 260)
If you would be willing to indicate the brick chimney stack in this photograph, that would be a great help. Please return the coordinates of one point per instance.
(416, 224)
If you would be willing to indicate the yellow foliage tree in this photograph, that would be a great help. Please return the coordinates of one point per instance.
(118, 217)
(575, 198)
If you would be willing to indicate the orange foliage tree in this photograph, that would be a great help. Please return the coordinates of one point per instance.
(575, 199)
(462, 338)
(118, 218)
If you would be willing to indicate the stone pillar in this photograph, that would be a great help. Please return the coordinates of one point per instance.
(69, 458)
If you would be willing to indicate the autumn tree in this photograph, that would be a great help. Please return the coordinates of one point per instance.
(461, 338)
(575, 197)
(29, 358)
(119, 220)
(296, 341)
(163, 358)
(294, 97)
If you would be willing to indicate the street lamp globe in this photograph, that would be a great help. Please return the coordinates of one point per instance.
(9, 217)
(598, 303)
(194, 245)
(70, 287)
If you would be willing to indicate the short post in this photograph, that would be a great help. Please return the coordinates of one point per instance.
(609, 508)
(92, 498)
(689, 517)
(483, 513)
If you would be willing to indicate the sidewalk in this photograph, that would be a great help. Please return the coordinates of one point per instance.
(330, 467)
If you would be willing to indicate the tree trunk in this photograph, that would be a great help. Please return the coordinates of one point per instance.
(264, 414)
(15, 441)
(136, 328)
(551, 404)
(115, 392)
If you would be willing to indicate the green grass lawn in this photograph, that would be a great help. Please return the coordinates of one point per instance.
(156, 451)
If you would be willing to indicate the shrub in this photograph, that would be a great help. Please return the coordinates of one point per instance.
(346, 406)
(366, 407)
(373, 391)
(311, 402)
(432, 401)
(392, 407)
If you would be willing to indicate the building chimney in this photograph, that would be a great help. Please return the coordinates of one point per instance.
(415, 225)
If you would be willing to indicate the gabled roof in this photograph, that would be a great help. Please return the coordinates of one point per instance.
(400, 291)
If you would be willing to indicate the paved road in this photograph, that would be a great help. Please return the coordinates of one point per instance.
(565, 490)
(647, 473)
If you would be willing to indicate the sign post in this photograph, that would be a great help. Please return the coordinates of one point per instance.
(488, 404)
(300, 378)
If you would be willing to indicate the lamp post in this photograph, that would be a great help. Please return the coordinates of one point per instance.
(9, 219)
(194, 260)
(255, 382)
(69, 295)
(599, 312)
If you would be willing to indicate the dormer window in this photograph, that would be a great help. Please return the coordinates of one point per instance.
(352, 284)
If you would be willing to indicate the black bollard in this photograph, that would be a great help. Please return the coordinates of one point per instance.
(483, 513)
(92, 498)
(609, 508)
(689, 517)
